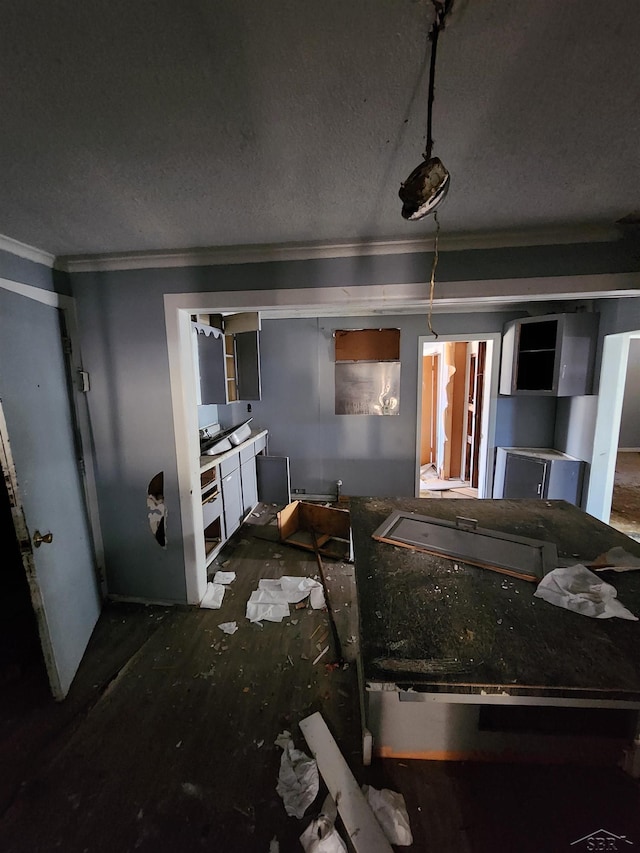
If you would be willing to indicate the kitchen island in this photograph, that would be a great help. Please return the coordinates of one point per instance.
(458, 661)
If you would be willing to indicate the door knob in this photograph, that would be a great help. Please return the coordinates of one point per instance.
(38, 538)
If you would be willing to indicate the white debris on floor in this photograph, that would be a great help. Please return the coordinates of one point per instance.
(270, 602)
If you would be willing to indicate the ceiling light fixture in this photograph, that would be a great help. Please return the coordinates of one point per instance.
(428, 184)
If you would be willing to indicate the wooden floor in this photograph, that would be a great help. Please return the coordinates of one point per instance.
(625, 504)
(166, 741)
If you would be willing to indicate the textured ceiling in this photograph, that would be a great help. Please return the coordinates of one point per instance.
(139, 126)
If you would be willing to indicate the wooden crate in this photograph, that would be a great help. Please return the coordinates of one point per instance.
(298, 522)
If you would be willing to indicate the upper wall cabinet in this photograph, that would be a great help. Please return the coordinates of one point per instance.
(551, 355)
(227, 356)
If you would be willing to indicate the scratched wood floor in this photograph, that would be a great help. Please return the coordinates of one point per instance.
(165, 742)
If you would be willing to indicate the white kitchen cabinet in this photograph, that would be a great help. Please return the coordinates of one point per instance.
(550, 355)
(248, 478)
(231, 493)
(229, 489)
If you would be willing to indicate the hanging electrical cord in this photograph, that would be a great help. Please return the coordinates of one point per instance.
(434, 264)
(428, 184)
(442, 8)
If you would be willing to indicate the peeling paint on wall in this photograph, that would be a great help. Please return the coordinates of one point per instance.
(157, 509)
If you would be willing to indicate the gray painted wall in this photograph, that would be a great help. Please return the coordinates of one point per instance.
(616, 315)
(630, 422)
(32, 273)
(122, 325)
(372, 455)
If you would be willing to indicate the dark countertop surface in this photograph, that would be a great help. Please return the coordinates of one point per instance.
(445, 626)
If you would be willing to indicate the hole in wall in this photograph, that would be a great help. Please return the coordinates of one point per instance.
(157, 510)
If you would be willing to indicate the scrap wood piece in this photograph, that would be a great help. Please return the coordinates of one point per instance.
(364, 831)
(421, 666)
(332, 621)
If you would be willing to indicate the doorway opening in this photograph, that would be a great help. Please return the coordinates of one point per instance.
(625, 500)
(456, 415)
(23, 677)
(614, 448)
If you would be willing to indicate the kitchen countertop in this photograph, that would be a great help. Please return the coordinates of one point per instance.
(489, 628)
(207, 462)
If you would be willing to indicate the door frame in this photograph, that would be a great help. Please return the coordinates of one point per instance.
(613, 376)
(8, 469)
(430, 423)
(490, 403)
(357, 300)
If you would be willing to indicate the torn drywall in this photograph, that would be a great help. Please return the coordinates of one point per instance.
(157, 510)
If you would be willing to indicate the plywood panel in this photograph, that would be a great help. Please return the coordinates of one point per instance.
(367, 344)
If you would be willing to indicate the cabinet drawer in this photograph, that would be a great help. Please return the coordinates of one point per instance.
(247, 453)
(230, 464)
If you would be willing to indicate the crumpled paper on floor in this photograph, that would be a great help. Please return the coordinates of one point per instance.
(616, 560)
(228, 627)
(321, 836)
(213, 596)
(578, 589)
(270, 602)
(224, 577)
(298, 779)
(391, 813)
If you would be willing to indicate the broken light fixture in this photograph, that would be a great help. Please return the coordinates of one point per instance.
(428, 184)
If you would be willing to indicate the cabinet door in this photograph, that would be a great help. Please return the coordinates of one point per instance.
(211, 368)
(524, 477)
(232, 501)
(249, 485)
(274, 481)
(247, 347)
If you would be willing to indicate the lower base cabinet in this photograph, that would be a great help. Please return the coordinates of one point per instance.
(538, 472)
(230, 492)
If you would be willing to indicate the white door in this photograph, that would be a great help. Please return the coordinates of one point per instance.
(45, 486)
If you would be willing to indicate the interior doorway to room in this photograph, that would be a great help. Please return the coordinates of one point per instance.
(22, 672)
(625, 501)
(453, 417)
(613, 478)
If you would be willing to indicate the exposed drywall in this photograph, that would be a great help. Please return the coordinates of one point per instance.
(157, 509)
(630, 421)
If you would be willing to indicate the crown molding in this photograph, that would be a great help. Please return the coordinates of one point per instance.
(30, 253)
(252, 254)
